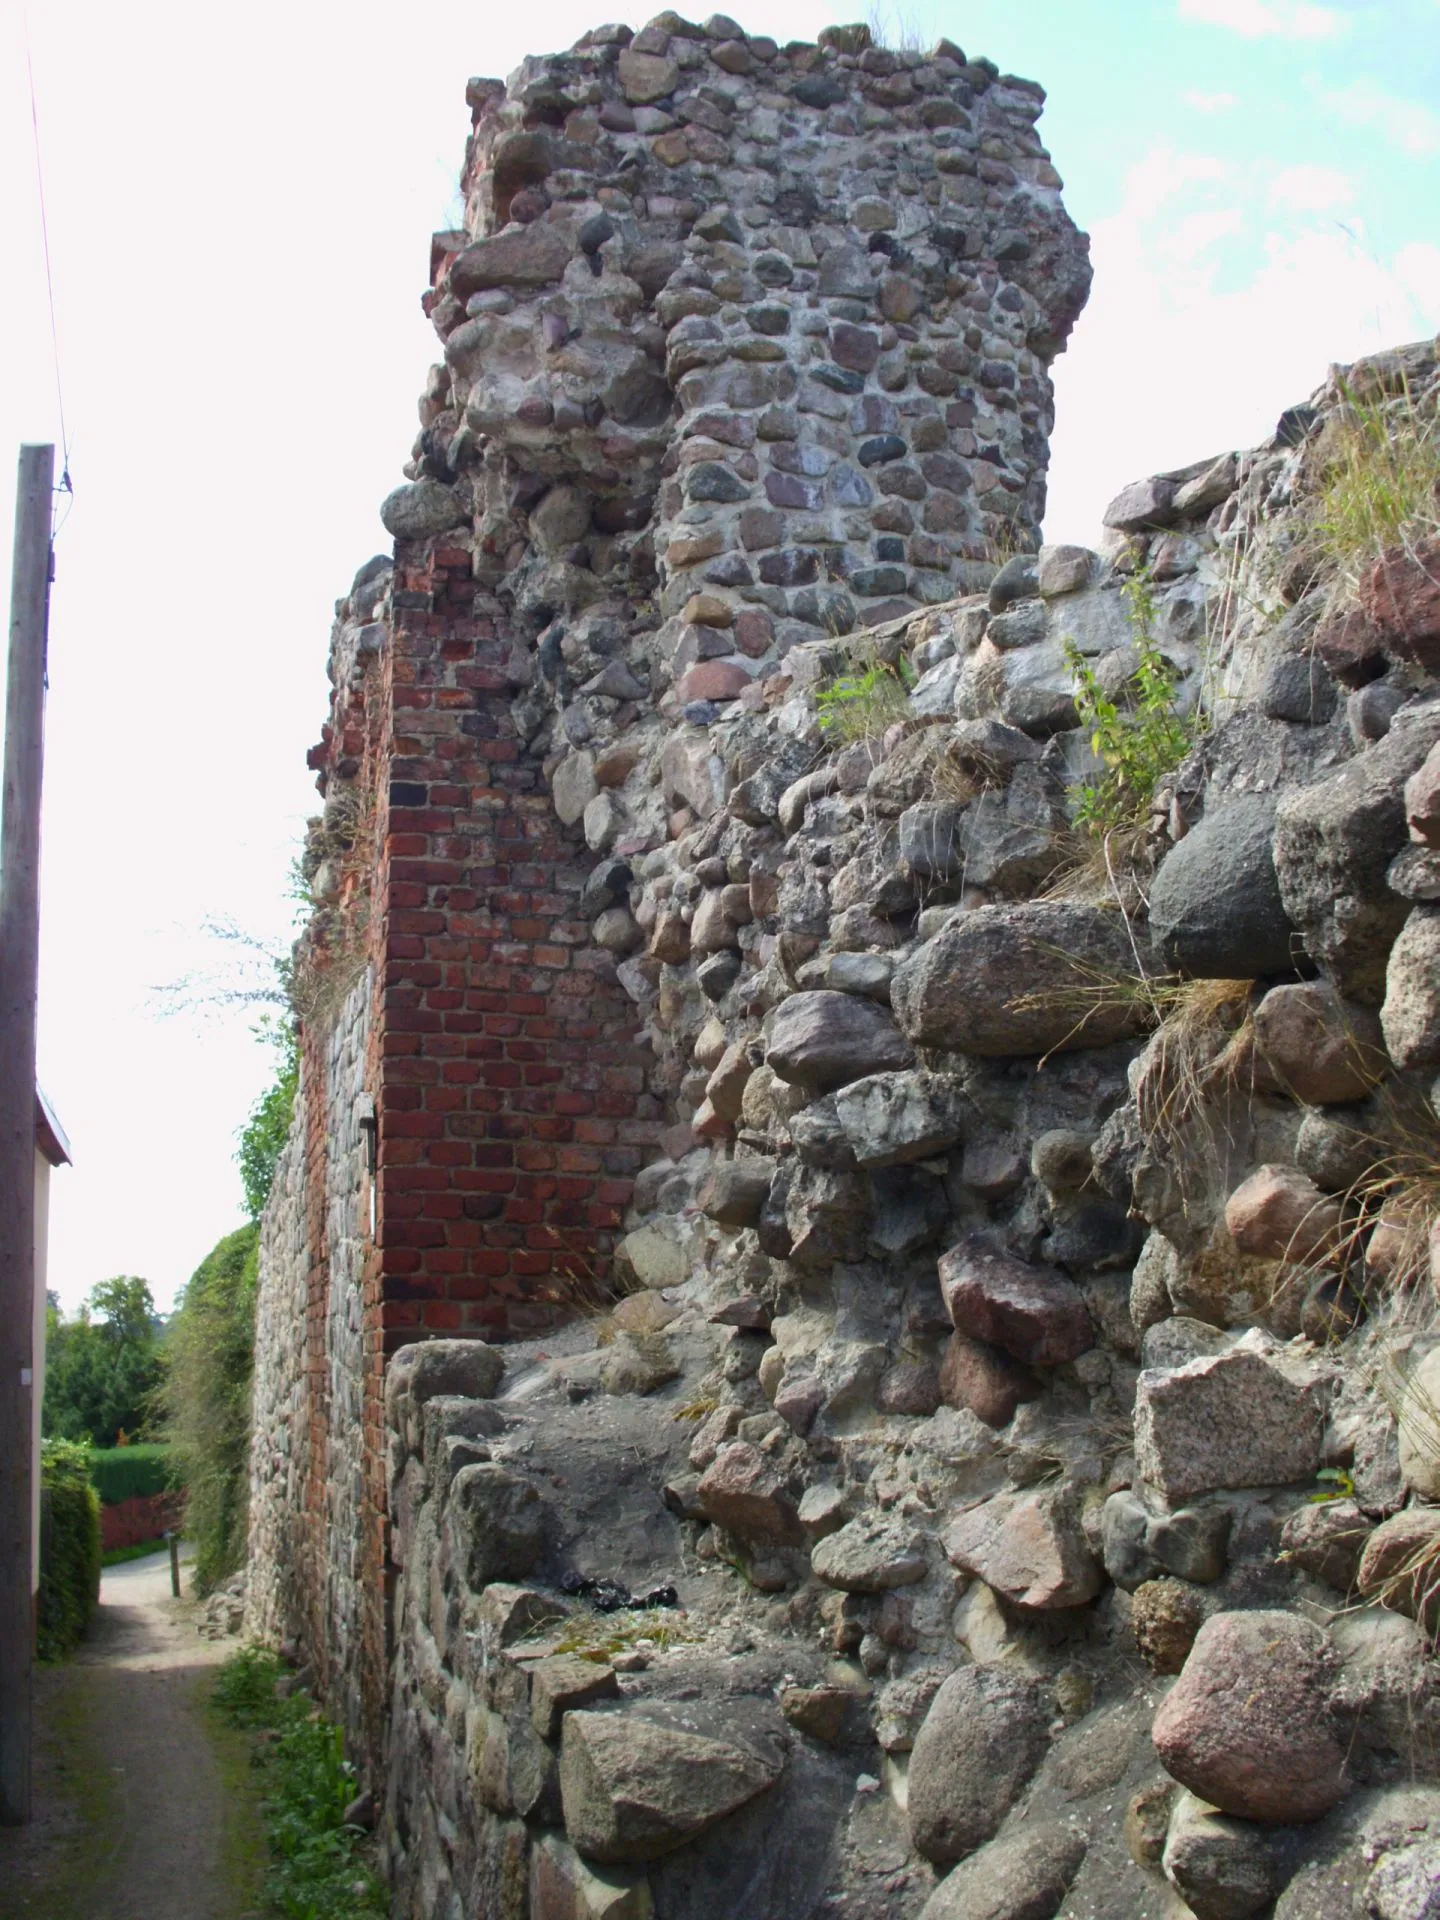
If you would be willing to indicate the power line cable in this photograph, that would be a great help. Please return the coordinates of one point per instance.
(66, 485)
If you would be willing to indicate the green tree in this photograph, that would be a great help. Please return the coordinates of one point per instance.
(266, 1131)
(206, 1400)
(102, 1367)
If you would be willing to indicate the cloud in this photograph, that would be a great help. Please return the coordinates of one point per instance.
(1311, 189)
(1216, 102)
(1190, 347)
(1195, 232)
(1407, 124)
(1267, 19)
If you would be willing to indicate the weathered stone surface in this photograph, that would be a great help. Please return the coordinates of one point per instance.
(655, 1258)
(497, 1521)
(1064, 570)
(510, 1613)
(1139, 1545)
(647, 76)
(1216, 910)
(1141, 505)
(1247, 1725)
(1400, 596)
(890, 1118)
(638, 1363)
(734, 1191)
(633, 1789)
(1279, 1214)
(1018, 980)
(1025, 1876)
(563, 1887)
(743, 1492)
(450, 1369)
(1232, 1419)
(985, 1380)
(870, 1555)
(824, 1040)
(574, 786)
(1410, 1015)
(1165, 1619)
(1333, 843)
(1422, 801)
(1405, 1884)
(1316, 1047)
(1401, 1565)
(1028, 1547)
(528, 257)
(983, 1738)
(1147, 1820)
(423, 507)
(1033, 1313)
(1221, 1867)
(1419, 1421)
(1326, 1538)
(565, 1682)
(820, 1712)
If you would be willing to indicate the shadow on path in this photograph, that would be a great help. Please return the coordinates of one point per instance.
(143, 1804)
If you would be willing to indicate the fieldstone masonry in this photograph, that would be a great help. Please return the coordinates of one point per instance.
(808, 1304)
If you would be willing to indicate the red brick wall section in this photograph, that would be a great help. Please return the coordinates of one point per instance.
(513, 1105)
(130, 1523)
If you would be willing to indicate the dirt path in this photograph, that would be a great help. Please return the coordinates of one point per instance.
(143, 1806)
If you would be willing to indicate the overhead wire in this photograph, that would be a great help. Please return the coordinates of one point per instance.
(66, 485)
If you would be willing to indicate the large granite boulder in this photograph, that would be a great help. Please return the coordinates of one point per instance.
(1025, 1876)
(1333, 843)
(1215, 905)
(1032, 1313)
(1027, 1547)
(984, 1736)
(1040, 978)
(633, 1789)
(823, 1040)
(1239, 1418)
(889, 1118)
(1247, 1726)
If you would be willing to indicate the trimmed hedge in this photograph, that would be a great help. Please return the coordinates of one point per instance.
(129, 1473)
(69, 1548)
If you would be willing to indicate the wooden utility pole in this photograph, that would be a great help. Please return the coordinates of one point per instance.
(19, 967)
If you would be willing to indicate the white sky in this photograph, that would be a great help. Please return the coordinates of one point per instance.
(240, 205)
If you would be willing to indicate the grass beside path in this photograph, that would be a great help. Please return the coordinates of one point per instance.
(320, 1868)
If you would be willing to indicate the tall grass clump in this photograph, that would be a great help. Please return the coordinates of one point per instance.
(207, 1402)
(861, 703)
(1376, 484)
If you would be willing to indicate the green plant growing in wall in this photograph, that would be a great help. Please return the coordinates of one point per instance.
(206, 1401)
(861, 703)
(1377, 486)
(1138, 734)
(265, 1132)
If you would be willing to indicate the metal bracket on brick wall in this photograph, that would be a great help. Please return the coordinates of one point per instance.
(369, 1123)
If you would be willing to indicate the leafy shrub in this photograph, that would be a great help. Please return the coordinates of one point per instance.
(130, 1473)
(861, 704)
(69, 1548)
(266, 1131)
(319, 1867)
(1139, 735)
(206, 1402)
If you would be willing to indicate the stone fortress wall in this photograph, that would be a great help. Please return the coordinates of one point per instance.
(986, 1252)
